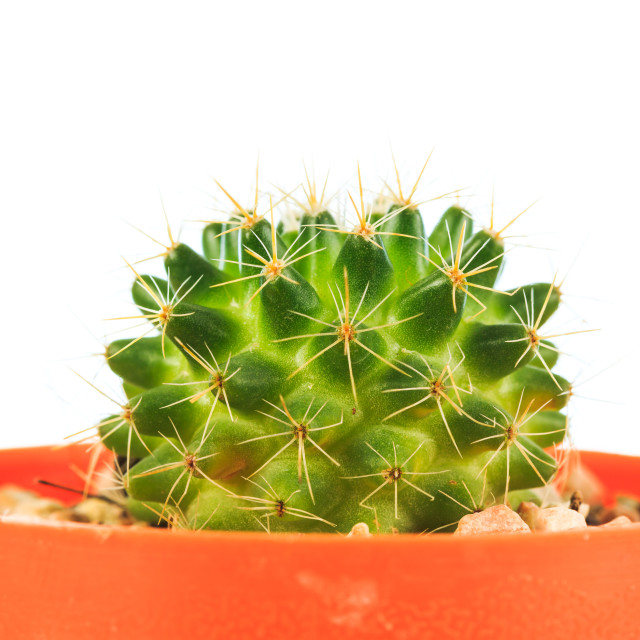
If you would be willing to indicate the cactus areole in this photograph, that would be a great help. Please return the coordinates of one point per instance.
(310, 378)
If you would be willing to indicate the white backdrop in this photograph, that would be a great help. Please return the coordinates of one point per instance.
(107, 107)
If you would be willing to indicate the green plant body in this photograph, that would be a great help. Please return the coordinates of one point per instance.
(308, 379)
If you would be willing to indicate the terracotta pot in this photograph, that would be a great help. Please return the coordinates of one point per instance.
(76, 581)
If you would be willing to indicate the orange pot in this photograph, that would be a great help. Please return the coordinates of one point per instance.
(76, 581)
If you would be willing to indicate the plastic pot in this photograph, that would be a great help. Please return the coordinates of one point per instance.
(77, 581)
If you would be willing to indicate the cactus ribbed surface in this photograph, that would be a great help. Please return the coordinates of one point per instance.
(310, 379)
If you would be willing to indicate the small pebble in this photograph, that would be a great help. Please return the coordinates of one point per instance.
(620, 521)
(40, 508)
(100, 512)
(360, 530)
(551, 518)
(11, 495)
(496, 519)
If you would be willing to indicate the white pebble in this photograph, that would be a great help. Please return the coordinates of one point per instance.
(496, 519)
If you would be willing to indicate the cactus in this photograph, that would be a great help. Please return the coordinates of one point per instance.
(311, 378)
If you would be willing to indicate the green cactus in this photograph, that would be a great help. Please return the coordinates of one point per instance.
(308, 380)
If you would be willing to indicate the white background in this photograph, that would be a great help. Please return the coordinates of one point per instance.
(107, 107)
